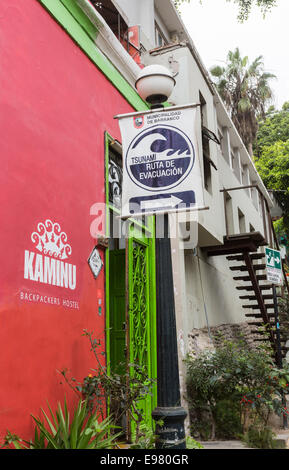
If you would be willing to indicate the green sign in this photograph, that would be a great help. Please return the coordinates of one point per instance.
(274, 266)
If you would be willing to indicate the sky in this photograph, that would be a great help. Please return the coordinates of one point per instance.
(214, 29)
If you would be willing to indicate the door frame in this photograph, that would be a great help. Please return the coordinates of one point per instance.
(150, 228)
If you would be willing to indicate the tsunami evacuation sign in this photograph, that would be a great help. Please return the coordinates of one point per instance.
(161, 168)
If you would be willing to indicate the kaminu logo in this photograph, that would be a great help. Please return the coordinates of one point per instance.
(47, 264)
(160, 158)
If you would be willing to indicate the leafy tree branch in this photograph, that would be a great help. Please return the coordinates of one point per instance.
(245, 6)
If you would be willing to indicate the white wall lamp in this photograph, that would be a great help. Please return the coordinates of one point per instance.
(155, 84)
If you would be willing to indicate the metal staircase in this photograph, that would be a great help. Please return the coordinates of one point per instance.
(261, 309)
(247, 264)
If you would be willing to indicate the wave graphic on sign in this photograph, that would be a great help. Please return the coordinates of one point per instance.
(148, 151)
(160, 158)
(162, 140)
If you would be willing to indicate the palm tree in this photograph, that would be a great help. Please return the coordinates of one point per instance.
(245, 90)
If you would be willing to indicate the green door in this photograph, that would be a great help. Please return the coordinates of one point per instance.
(141, 313)
(130, 287)
(117, 310)
(132, 318)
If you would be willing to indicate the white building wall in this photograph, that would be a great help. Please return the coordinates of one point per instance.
(205, 290)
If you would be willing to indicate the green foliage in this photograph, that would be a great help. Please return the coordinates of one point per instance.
(227, 417)
(274, 128)
(202, 424)
(279, 228)
(271, 152)
(193, 444)
(59, 431)
(283, 307)
(259, 437)
(245, 6)
(273, 167)
(225, 384)
(121, 392)
(146, 437)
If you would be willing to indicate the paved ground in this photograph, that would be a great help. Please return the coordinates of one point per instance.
(281, 436)
(223, 445)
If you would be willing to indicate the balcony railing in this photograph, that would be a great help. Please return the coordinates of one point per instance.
(265, 212)
(270, 238)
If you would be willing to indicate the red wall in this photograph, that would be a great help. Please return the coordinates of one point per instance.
(54, 109)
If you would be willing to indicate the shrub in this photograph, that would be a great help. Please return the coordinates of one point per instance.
(227, 417)
(121, 393)
(260, 438)
(60, 432)
(246, 380)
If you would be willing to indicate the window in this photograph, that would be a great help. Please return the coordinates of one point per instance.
(114, 20)
(221, 140)
(229, 220)
(242, 224)
(229, 214)
(160, 40)
(233, 160)
(206, 147)
(255, 197)
(207, 174)
(115, 226)
(243, 173)
(225, 143)
(235, 164)
(246, 178)
(114, 174)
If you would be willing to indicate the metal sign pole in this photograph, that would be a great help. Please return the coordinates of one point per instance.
(171, 433)
(162, 174)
